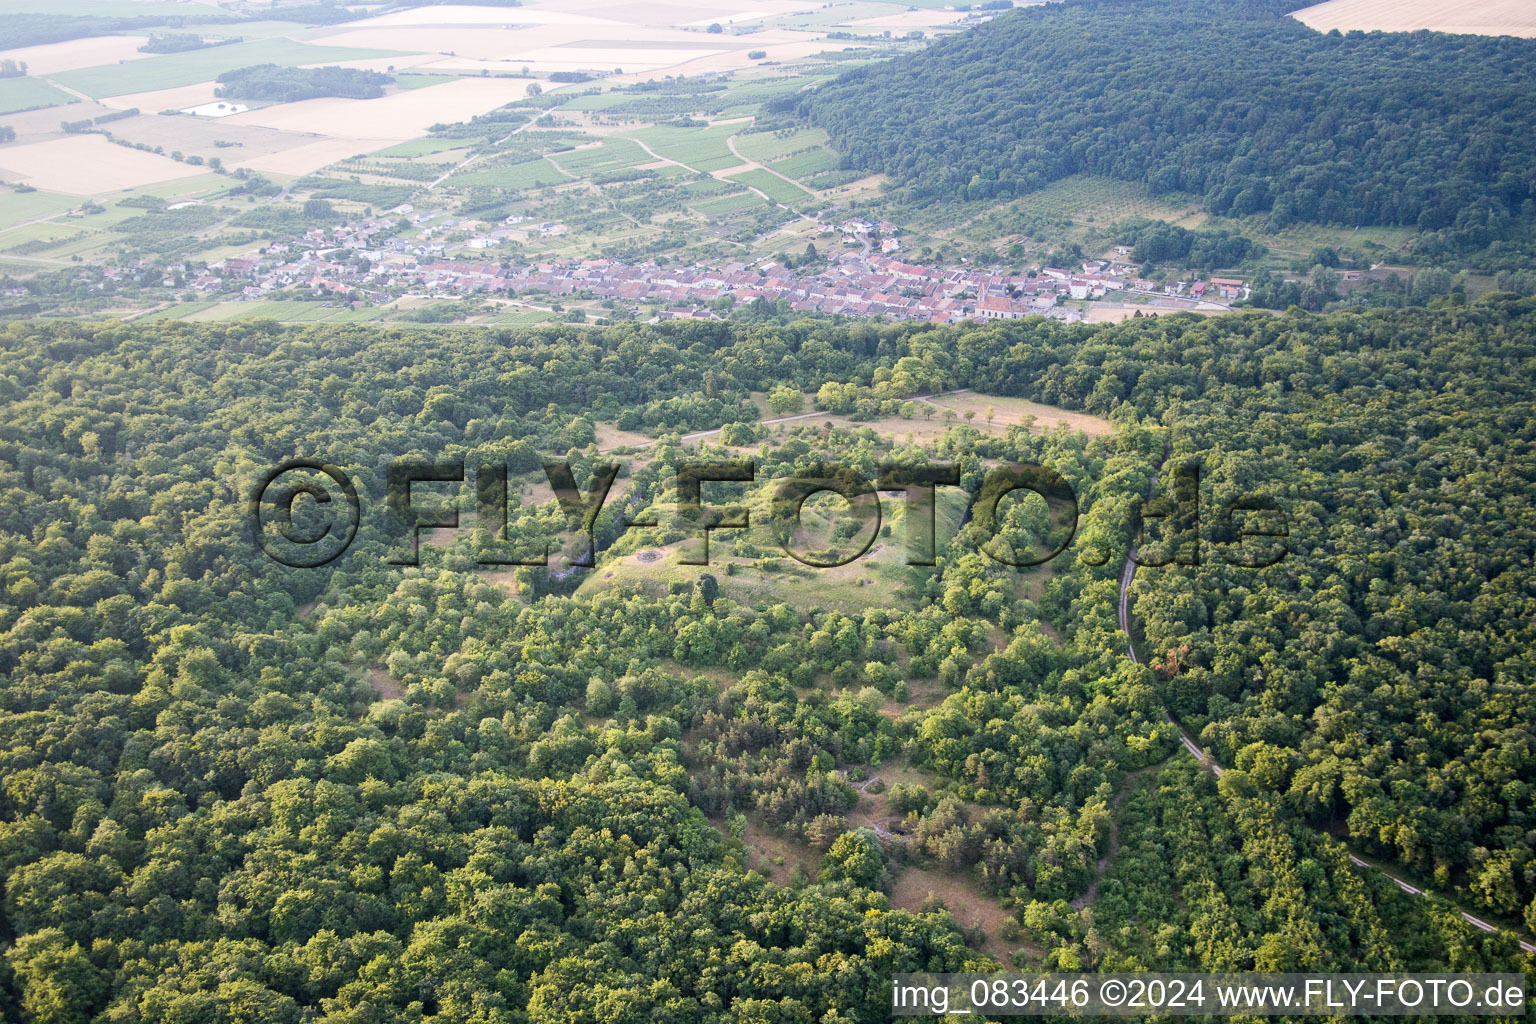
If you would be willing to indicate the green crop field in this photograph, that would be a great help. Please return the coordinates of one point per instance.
(768, 147)
(729, 204)
(703, 149)
(179, 311)
(16, 207)
(176, 69)
(202, 186)
(598, 101)
(779, 190)
(610, 156)
(423, 147)
(286, 310)
(529, 174)
(29, 93)
(422, 81)
(806, 165)
(516, 316)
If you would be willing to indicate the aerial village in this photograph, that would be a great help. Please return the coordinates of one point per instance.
(374, 261)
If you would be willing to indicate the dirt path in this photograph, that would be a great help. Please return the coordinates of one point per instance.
(720, 175)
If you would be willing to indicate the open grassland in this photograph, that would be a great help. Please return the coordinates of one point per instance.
(177, 69)
(881, 578)
(1302, 239)
(1006, 412)
(1102, 201)
(1485, 17)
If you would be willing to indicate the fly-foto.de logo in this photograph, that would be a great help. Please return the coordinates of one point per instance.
(306, 513)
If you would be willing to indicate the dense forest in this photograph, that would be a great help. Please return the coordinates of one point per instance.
(1230, 100)
(235, 791)
(287, 85)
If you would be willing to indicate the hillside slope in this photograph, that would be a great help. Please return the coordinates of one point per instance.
(1236, 102)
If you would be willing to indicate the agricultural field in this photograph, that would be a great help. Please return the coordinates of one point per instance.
(167, 71)
(773, 147)
(517, 316)
(87, 165)
(451, 64)
(1301, 239)
(608, 155)
(530, 174)
(18, 94)
(283, 310)
(701, 149)
(776, 188)
(1487, 17)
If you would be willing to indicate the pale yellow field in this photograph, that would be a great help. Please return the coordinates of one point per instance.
(908, 20)
(562, 58)
(409, 62)
(691, 13)
(51, 58)
(164, 99)
(399, 116)
(736, 59)
(88, 165)
(482, 43)
(1475, 17)
(469, 14)
(309, 157)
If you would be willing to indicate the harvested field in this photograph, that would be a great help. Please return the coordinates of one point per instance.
(310, 157)
(399, 116)
(51, 58)
(1484, 18)
(180, 97)
(87, 165)
(166, 71)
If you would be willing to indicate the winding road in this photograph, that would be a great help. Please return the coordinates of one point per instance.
(1207, 761)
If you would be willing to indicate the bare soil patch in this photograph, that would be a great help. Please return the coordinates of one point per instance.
(962, 898)
(384, 684)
